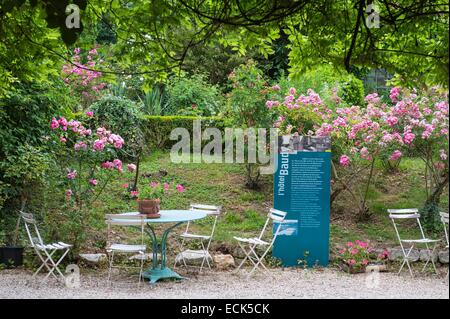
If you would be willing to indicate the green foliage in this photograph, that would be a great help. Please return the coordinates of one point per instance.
(25, 115)
(155, 101)
(188, 93)
(158, 128)
(246, 104)
(213, 60)
(431, 219)
(22, 56)
(246, 107)
(121, 116)
(328, 82)
(412, 40)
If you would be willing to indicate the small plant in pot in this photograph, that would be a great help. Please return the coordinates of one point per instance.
(11, 254)
(150, 195)
(355, 257)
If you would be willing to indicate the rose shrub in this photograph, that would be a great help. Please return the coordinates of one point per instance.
(412, 123)
(88, 160)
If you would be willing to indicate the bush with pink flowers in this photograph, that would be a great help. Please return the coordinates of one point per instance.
(413, 124)
(89, 160)
(82, 76)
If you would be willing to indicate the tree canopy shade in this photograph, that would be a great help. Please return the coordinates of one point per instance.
(153, 37)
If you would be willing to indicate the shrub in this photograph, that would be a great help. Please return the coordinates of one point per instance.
(157, 129)
(123, 117)
(88, 161)
(155, 101)
(188, 93)
(24, 115)
(246, 107)
(330, 83)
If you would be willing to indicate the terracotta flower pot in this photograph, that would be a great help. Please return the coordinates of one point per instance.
(352, 269)
(149, 207)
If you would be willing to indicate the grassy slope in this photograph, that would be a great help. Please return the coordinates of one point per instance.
(244, 210)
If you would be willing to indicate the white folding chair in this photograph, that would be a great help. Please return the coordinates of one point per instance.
(204, 240)
(444, 219)
(116, 248)
(249, 245)
(409, 214)
(45, 252)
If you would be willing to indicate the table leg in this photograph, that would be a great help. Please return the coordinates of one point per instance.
(160, 270)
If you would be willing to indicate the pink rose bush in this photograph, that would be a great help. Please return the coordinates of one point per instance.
(409, 122)
(374, 128)
(93, 155)
(83, 77)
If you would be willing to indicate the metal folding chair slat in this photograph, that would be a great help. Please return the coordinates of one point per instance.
(403, 211)
(188, 235)
(403, 216)
(421, 241)
(127, 248)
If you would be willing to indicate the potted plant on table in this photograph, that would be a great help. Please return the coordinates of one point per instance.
(150, 195)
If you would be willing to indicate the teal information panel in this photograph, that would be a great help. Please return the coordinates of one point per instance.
(302, 189)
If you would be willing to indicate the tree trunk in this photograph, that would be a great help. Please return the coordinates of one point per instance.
(435, 196)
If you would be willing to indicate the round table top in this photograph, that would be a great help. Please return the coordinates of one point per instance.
(173, 216)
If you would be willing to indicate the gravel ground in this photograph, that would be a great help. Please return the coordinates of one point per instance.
(215, 285)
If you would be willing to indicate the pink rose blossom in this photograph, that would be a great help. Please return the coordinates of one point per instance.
(344, 161)
(134, 194)
(166, 187)
(131, 167)
(99, 145)
(154, 184)
(80, 145)
(72, 175)
(180, 188)
(392, 120)
(93, 182)
(54, 124)
(408, 137)
(107, 165)
(276, 88)
(89, 114)
(395, 155)
(118, 164)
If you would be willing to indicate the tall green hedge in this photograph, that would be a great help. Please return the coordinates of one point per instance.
(157, 129)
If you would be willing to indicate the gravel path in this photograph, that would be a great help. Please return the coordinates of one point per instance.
(216, 285)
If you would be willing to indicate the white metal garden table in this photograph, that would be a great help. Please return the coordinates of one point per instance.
(159, 269)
